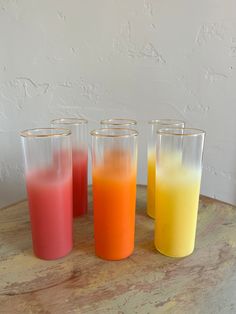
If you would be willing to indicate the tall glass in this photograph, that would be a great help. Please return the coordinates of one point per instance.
(79, 131)
(118, 123)
(48, 173)
(114, 170)
(179, 169)
(154, 126)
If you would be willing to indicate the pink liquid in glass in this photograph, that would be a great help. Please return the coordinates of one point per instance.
(80, 182)
(50, 205)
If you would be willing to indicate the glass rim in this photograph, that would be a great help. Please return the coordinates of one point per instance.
(99, 133)
(186, 131)
(114, 121)
(69, 121)
(166, 122)
(46, 132)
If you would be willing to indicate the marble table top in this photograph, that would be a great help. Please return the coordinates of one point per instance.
(146, 282)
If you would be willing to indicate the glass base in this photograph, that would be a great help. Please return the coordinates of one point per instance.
(174, 255)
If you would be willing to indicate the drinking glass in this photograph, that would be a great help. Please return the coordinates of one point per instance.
(154, 126)
(114, 170)
(79, 132)
(48, 174)
(178, 171)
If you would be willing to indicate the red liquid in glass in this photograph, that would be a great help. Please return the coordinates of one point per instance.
(50, 205)
(80, 182)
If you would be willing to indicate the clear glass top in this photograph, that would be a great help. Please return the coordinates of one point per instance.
(45, 132)
(118, 122)
(114, 132)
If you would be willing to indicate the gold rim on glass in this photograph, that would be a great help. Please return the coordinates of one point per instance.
(115, 121)
(74, 121)
(167, 122)
(107, 132)
(45, 132)
(181, 131)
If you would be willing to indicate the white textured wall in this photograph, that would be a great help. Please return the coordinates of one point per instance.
(142, 59)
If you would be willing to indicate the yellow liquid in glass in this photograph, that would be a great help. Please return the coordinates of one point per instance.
(151, 183)
(177, 191)
(170, 161)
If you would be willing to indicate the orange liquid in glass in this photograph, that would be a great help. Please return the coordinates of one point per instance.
(114, 192)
